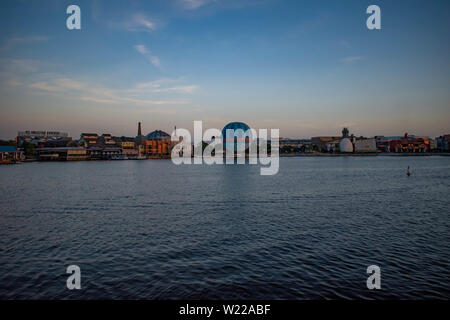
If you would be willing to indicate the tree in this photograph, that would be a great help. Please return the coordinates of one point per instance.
(28, 148)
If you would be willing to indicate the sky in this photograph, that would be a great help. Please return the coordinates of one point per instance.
(306, 67)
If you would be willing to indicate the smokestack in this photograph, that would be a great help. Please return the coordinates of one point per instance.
(139, 129)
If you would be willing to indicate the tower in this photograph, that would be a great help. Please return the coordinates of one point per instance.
(345, 133)
(139, 129)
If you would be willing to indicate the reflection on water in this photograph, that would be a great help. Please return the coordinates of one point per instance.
(152, 230)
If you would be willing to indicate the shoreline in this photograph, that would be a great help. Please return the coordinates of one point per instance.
(379, 154)
(288, 155)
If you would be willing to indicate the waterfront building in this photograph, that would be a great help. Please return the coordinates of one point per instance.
(88, 139)
(409, 144)
(298, 143)
(384, 143)
(57, 143)
(141, 151)
(128, 146)
(127, 143)
(239, 140)
(295, 145)
(368, 145)
(9, 154)
(109, 148)
(433, 145)
(108, 139)
(443, 143)
(61, 154)
(325, 143)
(100, 147)
(158, 144)
(345, 145)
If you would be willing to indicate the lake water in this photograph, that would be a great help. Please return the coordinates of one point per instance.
(153, 230)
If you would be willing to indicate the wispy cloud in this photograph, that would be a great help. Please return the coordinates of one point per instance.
(60, 84)
(29, 77)
(155, 84)
(20, 66)
(89, 92)
(351, 59)
(183, 89)
(127, 18)
(138, 102)
(44, 86)
(164, 85)
(140, 22)
(142, 49)
(98, 100)
(14, 41)
(18, 72)
(70, 84)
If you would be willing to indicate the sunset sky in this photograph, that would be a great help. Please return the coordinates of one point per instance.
(307, 67)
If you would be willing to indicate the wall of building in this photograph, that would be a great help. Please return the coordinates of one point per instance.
(157, 147)
(366, 145)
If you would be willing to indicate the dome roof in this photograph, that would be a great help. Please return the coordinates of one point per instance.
(235, 126)
(158, 135)
(346, 145)
(238, 139)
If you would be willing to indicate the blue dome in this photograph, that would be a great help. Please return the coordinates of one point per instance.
(158, 135)
(239, 134)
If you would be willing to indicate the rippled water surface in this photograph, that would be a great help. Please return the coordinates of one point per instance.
(153, 230)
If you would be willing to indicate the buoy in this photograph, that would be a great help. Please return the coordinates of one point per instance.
(408, 173)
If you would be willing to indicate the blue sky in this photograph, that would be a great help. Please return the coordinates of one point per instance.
(307, 67)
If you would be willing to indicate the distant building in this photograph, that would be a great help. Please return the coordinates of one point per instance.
(140, 139)
(409, 144)
(9, 154)
(36, 137)
(127, 143)
(238, 140)
(326, 143)
(443, 143)
(346, 145)
(100, 147)
(294, 142)
(299, 145)
(332, 144)
(42, 134)
(88, 139)
(384, 142)
(61, 154)
(158, 143)
(129, 147)
(57, 143)
(366, 145)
